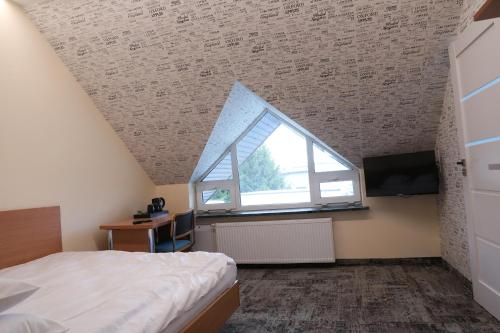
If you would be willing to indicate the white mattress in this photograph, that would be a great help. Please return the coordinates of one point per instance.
(113, 291)
(183, 319)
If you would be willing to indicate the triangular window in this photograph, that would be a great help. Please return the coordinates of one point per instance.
(274, 163)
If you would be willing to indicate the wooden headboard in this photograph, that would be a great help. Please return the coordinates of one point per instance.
(29, 234)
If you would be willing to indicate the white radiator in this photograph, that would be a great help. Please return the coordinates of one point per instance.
(269, 242)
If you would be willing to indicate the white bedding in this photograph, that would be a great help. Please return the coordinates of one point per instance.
(113, 291)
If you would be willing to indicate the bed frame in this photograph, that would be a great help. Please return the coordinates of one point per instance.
(213, 317)
(29, 234)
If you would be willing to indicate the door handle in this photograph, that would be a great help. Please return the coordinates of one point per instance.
(464, 166)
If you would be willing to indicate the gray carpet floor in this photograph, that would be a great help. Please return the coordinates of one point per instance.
(378, 298)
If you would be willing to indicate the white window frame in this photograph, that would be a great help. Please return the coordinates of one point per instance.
(215, 185)
(315, 178)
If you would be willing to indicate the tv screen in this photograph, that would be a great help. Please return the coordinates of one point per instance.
(405, 174)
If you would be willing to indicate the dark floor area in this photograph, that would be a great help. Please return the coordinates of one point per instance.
(378, 298)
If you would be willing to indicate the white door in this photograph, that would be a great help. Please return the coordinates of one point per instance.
(475, 68)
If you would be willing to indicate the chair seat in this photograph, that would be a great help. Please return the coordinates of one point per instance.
(167, 246)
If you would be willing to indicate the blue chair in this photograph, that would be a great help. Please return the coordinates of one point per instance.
(180, 237)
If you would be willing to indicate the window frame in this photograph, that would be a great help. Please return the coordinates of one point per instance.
(315, 178)
(228, 184)
(215, 185)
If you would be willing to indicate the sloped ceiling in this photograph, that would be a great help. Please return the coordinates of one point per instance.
(365, 76)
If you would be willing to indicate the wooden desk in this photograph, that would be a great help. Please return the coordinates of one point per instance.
(126, 236)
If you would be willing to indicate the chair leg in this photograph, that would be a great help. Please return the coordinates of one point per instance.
(173, 235)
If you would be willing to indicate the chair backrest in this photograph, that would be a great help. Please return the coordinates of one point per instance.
(184, 222)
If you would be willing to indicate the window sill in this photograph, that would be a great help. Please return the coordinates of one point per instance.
(288, 211)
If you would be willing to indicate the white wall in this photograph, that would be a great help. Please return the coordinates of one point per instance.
(55, 146)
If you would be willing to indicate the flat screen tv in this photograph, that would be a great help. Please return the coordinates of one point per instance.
(400, 175)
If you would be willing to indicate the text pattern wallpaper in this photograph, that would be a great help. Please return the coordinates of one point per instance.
(453, 226)
(365, 76)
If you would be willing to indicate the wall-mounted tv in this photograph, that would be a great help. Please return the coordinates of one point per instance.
(400, 175)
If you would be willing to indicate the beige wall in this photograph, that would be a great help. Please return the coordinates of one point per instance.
(393, 227)
(176, 196)
(55, 146)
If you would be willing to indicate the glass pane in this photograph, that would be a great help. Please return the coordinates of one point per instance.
(337, 189)
(324, 161)
(275, 171)
(215, 197)
(223, 170)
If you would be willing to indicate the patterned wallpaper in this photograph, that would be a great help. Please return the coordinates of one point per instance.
(454, 244)
(453, 226)
(469, 7)
(367, 77)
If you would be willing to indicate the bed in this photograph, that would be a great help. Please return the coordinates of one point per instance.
(113, 291)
